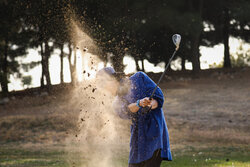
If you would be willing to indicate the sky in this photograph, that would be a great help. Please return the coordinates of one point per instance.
(209, 56)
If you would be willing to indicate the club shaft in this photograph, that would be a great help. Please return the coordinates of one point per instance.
(163, 74)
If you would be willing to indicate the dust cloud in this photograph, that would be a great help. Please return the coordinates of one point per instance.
(101, 134)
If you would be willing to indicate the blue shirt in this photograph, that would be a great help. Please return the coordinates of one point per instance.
(148, 131)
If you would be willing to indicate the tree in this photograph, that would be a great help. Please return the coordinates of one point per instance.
(228, 19)
(227, 62)
(72, 66)
(41, 18)
(14, 40)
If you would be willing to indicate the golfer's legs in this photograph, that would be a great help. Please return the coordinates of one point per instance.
(155, 161)
(135, 165)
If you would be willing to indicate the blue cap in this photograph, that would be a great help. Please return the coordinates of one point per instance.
(107, 70)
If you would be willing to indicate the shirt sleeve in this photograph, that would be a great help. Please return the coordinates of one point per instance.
(120, 106)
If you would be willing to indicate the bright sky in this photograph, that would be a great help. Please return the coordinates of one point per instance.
(209, 56)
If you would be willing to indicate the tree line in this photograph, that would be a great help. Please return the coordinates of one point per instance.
(141, 28)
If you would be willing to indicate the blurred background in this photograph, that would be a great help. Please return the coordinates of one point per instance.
(38, 46)
(50, 51)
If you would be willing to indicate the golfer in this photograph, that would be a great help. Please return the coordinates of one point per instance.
(149, 141)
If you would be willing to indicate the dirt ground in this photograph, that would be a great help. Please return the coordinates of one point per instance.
(210, 109)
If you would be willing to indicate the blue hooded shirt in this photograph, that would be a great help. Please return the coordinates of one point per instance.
(148, 131)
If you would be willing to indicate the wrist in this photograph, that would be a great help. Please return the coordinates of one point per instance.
(138, 104)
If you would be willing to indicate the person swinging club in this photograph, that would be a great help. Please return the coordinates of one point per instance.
(149, 141)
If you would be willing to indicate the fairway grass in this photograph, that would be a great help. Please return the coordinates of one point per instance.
(206, 158)
(212, 157)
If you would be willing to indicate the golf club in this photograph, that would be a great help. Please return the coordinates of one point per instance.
(176, 40)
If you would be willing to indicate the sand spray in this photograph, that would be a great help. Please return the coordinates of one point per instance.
(101, 134)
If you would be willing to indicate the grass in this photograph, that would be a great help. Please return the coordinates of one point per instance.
(10, 157)
(212, 157)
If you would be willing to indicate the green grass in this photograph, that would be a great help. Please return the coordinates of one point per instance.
(10, 157)
(213, 157)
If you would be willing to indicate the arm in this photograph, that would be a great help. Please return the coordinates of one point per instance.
(133, 107)
(143, 102)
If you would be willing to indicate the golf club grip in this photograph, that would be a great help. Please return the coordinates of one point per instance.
(146, 110)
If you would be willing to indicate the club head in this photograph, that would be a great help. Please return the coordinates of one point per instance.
(176, 40)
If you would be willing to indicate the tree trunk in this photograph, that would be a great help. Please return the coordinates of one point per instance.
(117, 61)
(142, 65)
(73, 69)
(46, 64)
(43, 67)
(196, 53)
(4, 84)
(61, 61)
(137, 63)
(227, 61)
(70, 64)
(183, 60)
(196, 43)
